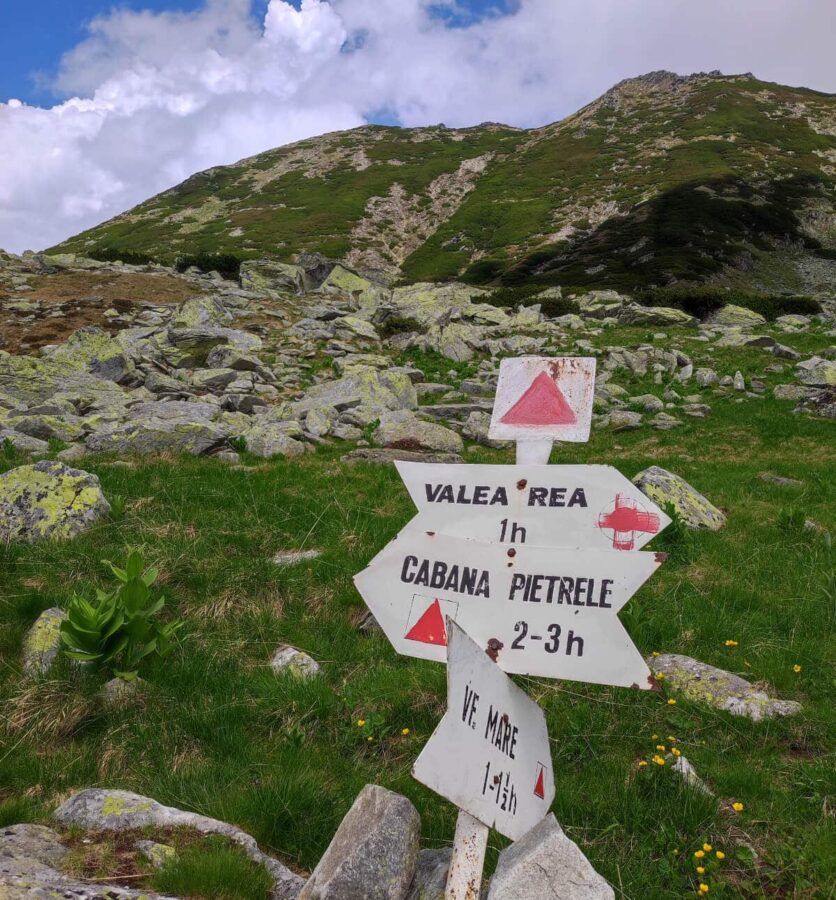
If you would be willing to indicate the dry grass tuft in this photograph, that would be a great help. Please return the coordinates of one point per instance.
(49, 710)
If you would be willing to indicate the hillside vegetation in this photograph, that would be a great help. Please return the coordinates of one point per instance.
(664, 178)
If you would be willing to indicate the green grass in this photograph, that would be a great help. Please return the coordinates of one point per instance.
(217, 732)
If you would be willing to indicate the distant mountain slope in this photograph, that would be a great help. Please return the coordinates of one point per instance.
(663, 178)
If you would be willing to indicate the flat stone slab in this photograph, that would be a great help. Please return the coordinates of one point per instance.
(291, 557)
(719, 689)
(391, 454)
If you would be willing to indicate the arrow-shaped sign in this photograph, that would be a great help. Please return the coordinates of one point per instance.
(535, 610)
(546, 506)
(490, 753)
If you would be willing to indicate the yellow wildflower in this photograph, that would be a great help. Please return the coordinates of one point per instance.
(700, 870)
(676, 751)
(643, 763)
(731, 643)
(404, 731)
(671, 739)
(706, 847)
(671, 701)
(738, 807)
(370, 739)
(796, 668)
(704, 888)
(720, 854)
(699, 854)
(660, 748)
(654, 737)
(361, 723)
(659, 760)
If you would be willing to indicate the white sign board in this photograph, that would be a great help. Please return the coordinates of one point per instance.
(545, 506)
(544, 398)
(490, 754)
(536, 610)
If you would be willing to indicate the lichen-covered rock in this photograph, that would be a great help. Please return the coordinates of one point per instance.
(430, 878)
(388, 455)
(97, 809)
(202, 311)
(343, 281)
(633, 314)
(154, 435)
(22, 442)
(48, 501)
(602, 304)
(817, 372)
(429, 304)
(374, 852)
(46, 428)
(93, 350)
(733, 315)
(717, 688)
(267, 439)
(476, 427)
(29, 855)
(403, 430)
(546, 863)
(191, 346)
(365, 389)
(43, 642)
(295, 662)
(664, 487)
(269, 276)
(158, 855)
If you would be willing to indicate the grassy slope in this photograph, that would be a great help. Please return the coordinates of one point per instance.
(538, 182)
(219, 733)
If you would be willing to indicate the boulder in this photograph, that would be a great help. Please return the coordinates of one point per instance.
(267, 439)
(546, 863)
(430, 878)
(476, 427)
(366, 390)
(267, 276)
(374, 852)
(97, 809)
(155, 435)
(602, 304)
(732, 315)
(22, 442)
(428, 304)
(201, 311)
(341, 280)
(633, 314)
(817, 372)
(48, 500)
(706, 377)
(43, 642)
(158, 855)
(624, 420)
(664, 487)
(191, 346)
(719, 689)
(790, 392)
(93, 350)
(401, 429)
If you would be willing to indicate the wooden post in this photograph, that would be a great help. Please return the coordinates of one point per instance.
(534, 453)
(464, 880)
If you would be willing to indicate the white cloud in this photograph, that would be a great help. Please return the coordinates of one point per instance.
(155, 97)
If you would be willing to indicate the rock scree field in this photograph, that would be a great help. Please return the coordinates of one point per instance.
(194, 700)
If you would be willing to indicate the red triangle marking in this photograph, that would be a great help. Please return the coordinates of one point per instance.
(540, 787)
(429, 629)
(543, 403)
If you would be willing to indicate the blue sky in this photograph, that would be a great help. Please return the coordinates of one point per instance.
(37, 33)
(151, 98)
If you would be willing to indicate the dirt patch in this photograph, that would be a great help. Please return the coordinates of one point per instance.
(71, 300)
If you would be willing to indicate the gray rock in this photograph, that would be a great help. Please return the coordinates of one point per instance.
(48, 501)
(719, 689)
(22, 442)
(34, 842)
(202, 311)
(664, 422)
(291, 557)
(780, 480)
(648, 402)
(118, 693)
(295, 662)
(819, 403)
(43, 642)
(733, 315)
(688, 773)
(793, 392)
(430, 875)
(390, 455)
(476, 427)
(739, 383)
(624, 420)
(706, 377)
(817, 372)
(97, 809)
(191, 346)
(784, 352)
(158, 855)
(374, 852)
(697, 410)
(545, 863)
(155, 435)
(664, 487)
(633, 314)
(401, 429)
(267, 439)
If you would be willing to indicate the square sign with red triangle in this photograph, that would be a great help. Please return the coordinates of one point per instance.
(542, 398)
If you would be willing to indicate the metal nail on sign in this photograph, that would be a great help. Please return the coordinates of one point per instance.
(545, 506)
(544, 398)
(490, 754)
(538, 610)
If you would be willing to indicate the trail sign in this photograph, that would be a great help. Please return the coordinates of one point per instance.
(537, 610)
(545, 506)
(490, 753)
(544, 398)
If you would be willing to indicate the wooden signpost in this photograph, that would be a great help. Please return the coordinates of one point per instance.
(517, 568)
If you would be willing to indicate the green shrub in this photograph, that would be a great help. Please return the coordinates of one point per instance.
(527, 295)
(119, 630)
(8, 448)
(701, 301)
(227, 265)
(483, 270)
(238, 443)
(398, 325)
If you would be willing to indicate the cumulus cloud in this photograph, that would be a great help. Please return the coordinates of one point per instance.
(154, 97)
